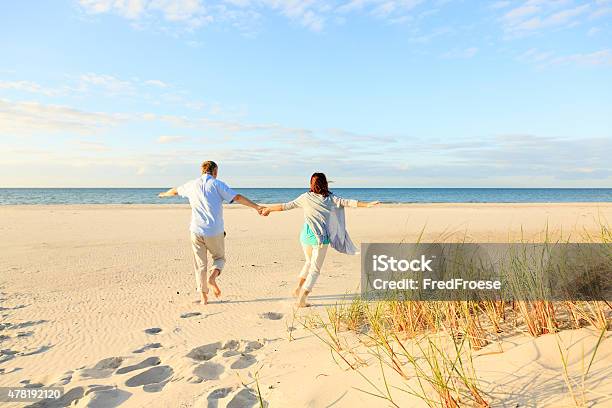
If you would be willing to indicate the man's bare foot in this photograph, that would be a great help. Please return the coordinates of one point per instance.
(203, 298)
(212, 281)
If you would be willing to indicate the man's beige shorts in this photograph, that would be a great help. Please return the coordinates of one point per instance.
(201, 246)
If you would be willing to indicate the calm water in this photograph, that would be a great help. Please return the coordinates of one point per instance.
(277, 195)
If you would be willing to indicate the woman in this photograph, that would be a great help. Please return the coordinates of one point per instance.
(324, 224)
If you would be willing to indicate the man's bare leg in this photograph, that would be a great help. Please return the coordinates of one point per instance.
(212, 281)
(302, 299)
(203, 298)
(296, 292)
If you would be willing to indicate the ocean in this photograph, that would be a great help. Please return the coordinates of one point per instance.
(20, 196)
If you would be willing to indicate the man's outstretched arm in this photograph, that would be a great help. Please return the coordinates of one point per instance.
(240, 199)
(170, 193)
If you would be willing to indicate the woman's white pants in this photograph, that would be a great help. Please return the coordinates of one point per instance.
(315, 255)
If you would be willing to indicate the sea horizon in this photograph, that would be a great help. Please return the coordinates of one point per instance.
(391, 195)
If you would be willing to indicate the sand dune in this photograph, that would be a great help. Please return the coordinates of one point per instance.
(101, 300)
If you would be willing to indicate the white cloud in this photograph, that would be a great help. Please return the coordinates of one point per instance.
(91, 146)
(564, 16)
(29, 86)
(522, 11)
(27, 117)
(534, 55)
(536, 15)
(156, 82)
(295, 150)
(312, 14)
(602, 57)
(170, 139)
(191, 12)
(423, 38)
(601, 12)
(107, 83)
(465, 53)
(500, 4)
(378, 6)
(548, 58)
(593, 31)
(88, 82)
(516, 158)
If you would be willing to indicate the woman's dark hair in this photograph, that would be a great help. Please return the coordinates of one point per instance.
(318, 184)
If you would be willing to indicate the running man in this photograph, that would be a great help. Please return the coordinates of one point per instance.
(206, 195)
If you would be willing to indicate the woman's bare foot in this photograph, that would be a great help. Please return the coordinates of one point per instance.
(203, 298)
(212, 281)
(302, 300)
(297, 290)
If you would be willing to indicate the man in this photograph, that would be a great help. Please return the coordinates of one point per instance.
(206, 195)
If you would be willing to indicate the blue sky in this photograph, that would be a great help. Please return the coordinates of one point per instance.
(393, 93)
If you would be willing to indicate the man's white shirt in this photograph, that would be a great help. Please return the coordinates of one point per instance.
(206, 195)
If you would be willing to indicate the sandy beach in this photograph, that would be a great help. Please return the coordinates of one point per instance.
(101, 300)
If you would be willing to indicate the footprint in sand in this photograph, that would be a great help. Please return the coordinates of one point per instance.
(105, 396)
(271, 316)
(153, 330)
(103, 369)
(214, 397)
(3, 370)
(230, 353)
(64, 379)
(231, 345)
(151, 380)
(146, 347)
(231, 348)
(245, 398)
(205, 352)
(29, 384)
(2, 308)
(7, 354)
(252, 346)
(22, 325)
(207, 371)
(190, 314)
(146, 363)
(244, 361)
(38, 350)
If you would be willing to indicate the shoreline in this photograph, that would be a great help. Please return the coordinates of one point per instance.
(381, 205)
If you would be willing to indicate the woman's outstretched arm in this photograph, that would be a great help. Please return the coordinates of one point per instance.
(282, 207)
(267, 210)
(367, 204)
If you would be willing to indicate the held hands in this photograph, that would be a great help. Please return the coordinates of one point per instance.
(263, 211)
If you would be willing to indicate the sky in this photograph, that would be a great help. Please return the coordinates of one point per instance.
(375, 93)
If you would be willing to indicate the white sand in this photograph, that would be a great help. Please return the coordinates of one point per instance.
(81, 284)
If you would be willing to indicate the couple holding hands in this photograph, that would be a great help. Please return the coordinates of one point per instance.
(324, 226)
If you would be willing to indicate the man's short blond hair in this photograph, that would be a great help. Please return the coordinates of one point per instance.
(209, 167)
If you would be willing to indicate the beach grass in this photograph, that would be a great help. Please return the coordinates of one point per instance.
(429, 345)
